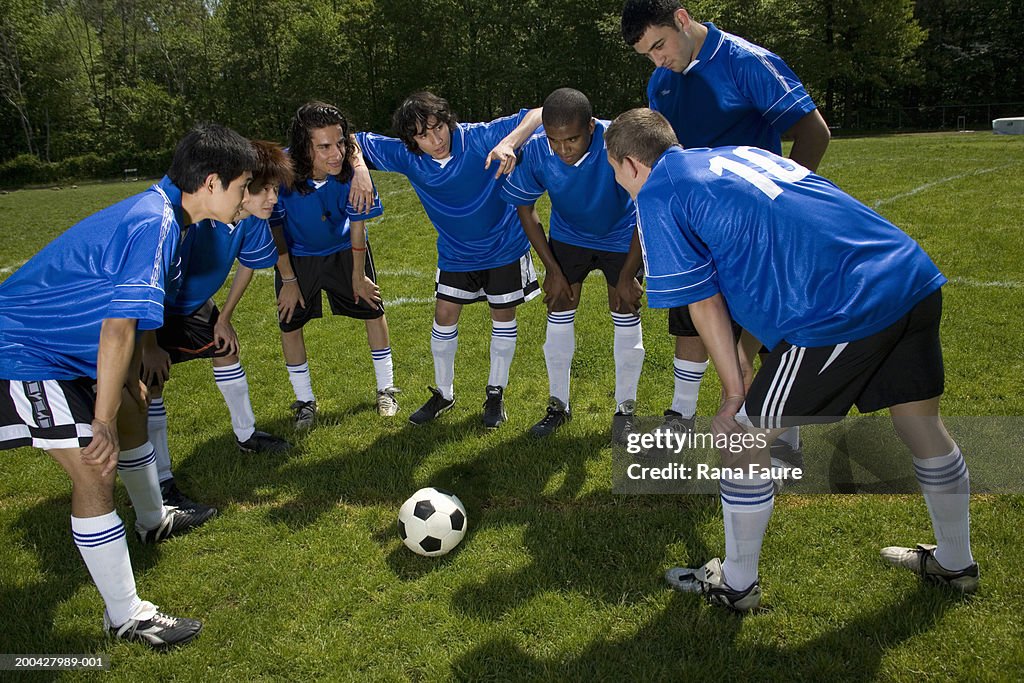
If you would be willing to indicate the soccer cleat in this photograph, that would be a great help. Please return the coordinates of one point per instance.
(175, 523)
(558, 414)
(673, 423)
(435, 406)
(494, 407)
(160, 631)
(784, 455)
(261, 442)
(921, 560)
(305, 414)
(708, 581)
(624, 422)
(173, 498)
(387, 404)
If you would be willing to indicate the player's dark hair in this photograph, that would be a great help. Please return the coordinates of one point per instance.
(210, 148)
(273, 165)
(565, 107)
(410, 119)
(643, 134)
(640, 15)
(309, 117)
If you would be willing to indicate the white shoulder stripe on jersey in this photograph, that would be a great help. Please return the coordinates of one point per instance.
(681, 272)
(165, 228)
(680, 289)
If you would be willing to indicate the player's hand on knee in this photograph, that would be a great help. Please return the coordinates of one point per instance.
(627, 295)
(556, 289)
(103, 449)
(287, 300)
(365, 289)
(225, 338)
(156, 366)
(724, 422)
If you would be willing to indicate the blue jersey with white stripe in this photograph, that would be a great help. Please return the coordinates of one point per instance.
(734, 93)
(210, 250)
(113, 264)
(476, 228)
(318, 223)
(795, 257)
(588, 208)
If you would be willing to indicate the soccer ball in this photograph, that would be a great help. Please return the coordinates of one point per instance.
(432, 522)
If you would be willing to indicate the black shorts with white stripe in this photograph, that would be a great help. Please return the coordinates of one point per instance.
(577, 262)
(502, 287)
(331, 274)
(47, 414)
(185, 337)
(803, 385)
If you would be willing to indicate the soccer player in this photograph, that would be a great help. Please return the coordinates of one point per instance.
(68, 323)
(717, 89)
(592, 225)
(194, 327)
(851, 315)
(482, 252)
(323, 246)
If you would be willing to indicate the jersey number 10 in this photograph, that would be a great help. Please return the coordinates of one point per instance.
(758, 170)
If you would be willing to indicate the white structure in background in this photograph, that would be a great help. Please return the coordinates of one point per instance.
(1014, 126)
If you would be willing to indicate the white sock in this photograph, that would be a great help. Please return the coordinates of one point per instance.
(137, 469)
(946, 486)
(299, 376)
(746, 508)
(444, 341)
(559, 347)
(383, 368)
(688, 378)
(158, 437)
(102, 543)
(629, 355)
(503, 348)
(791, 436)
(234, 386)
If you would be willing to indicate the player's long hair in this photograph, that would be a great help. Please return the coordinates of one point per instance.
(273, 166)
(410, 119)
(309, 117)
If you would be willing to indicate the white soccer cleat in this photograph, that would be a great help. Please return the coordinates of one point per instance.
(707, 580)
(921, 560)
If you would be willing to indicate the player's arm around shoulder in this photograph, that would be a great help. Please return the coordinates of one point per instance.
(505, 151)
(811, 136)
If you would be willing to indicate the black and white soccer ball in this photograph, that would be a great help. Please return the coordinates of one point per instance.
(432, 522)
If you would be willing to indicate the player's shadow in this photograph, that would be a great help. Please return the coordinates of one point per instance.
(30, 611)
(690, 641)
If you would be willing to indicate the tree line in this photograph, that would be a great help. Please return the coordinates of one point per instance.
(122, 79)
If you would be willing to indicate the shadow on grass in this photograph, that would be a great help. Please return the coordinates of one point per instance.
(689, 640)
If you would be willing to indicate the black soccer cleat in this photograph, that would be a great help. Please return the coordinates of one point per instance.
(784, 455)
(261, 442)
(494, 407)
(435, 406)
(558, 414)
(624, 422)
(176, 522)
(161, 631)
(174, 498)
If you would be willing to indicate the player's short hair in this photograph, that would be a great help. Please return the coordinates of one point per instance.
(210, 148)
(565, 107)
(309, 117)
(640, 15)
(273, 165)
(643, 134)
(410, 119)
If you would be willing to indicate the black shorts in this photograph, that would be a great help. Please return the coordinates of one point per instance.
(680, 324)
(577, 262)
(185, 337)
(47, 414)
(502, 287)
(900, 364)
(331, 274)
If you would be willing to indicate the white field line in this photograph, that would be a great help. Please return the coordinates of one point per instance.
(403, 300)
(11, 269)
(995, 284)
(941, 181)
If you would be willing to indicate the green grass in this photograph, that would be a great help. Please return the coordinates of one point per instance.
(303, 574)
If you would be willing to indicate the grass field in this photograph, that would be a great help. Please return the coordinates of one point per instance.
(303, 574)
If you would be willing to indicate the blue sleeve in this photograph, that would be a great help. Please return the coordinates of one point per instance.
(652, 102)
(522, 187)
(773, 88)
(277, 216)
(138, 267)
(376, 209)
(384, 153)
(258, 248)
(486, 136)
(677, 264)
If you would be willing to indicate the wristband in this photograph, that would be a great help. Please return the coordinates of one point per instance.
(286, 280)
(729, 398)
(358, 248)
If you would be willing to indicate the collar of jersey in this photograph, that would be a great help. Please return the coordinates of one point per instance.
(173, 194)
(712, 42)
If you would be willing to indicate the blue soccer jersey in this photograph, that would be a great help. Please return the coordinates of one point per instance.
(318, 223)
(795, 257)
(113, 264)
(588, 208)
(476, 228)
(212, 248)
(734, 93)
